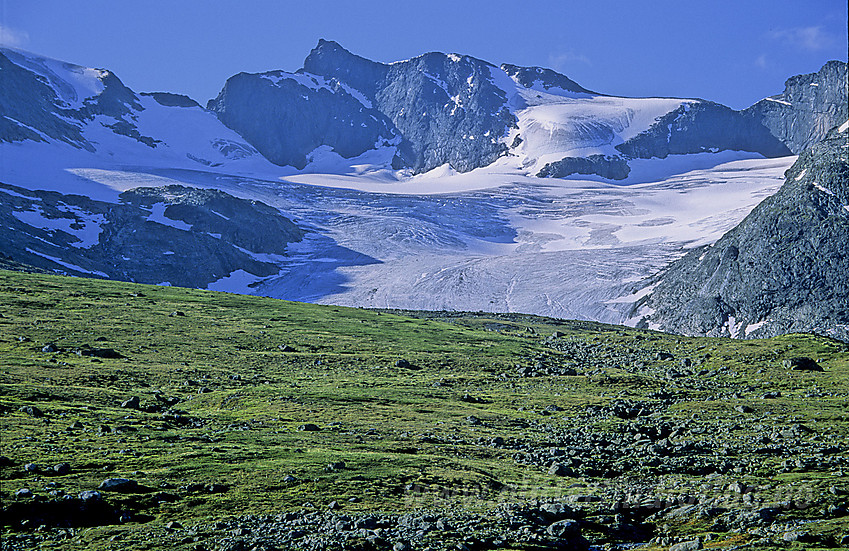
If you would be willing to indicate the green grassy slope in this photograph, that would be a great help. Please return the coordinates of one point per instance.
(465, 423)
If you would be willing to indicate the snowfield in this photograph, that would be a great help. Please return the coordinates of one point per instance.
(494, 241)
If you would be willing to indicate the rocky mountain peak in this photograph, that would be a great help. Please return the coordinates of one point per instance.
(529, 77)
(329, 59)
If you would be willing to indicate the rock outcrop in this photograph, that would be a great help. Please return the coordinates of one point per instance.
(612, 168)
(703, 127)
(183, 236)
(810, 105)
(784, 268)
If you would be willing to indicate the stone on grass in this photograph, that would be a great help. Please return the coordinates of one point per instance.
(32, 411)
(802, 363)
(90, 496)
(564, 529)
(692, 545)
(132, 403)
(308, 427)
(121, 485)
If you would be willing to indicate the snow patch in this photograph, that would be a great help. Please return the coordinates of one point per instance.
(238, 281)
(16, 194)
(824, 189)
(439, 82)
(844, 127)
(86, 231)
(752, 327)
(629, 299)
(41, 134)
(801, 174)
(782, 102)
(157, 215)
(316, 82)
(733, 326)
(67, 264)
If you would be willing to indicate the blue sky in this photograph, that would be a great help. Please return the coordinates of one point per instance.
(733, 52)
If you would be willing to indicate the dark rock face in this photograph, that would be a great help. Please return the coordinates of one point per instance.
(168, 99)
(331, 60)
(703, 127)
(612, 168)
(433, 109)
(782, 269)
(286, 116)
(810, 105)
(448, 109)
(185, 236)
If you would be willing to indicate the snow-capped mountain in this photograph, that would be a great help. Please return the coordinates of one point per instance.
(440, 109)
(52, 102)
(416, 184)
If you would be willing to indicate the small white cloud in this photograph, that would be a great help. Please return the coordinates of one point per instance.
(811, 39)
(761, 61)
(13, 37)
(563, 60)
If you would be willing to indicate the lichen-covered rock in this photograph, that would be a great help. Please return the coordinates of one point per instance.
(784, 268)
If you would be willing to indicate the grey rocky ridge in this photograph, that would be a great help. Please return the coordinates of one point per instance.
(424, 108)
(38, 105)
(784, 268)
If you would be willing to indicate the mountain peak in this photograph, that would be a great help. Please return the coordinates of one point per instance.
(329, 59)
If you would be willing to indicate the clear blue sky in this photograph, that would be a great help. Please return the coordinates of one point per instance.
(731, 51)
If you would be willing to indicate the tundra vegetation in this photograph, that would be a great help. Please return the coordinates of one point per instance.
(140, 417)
